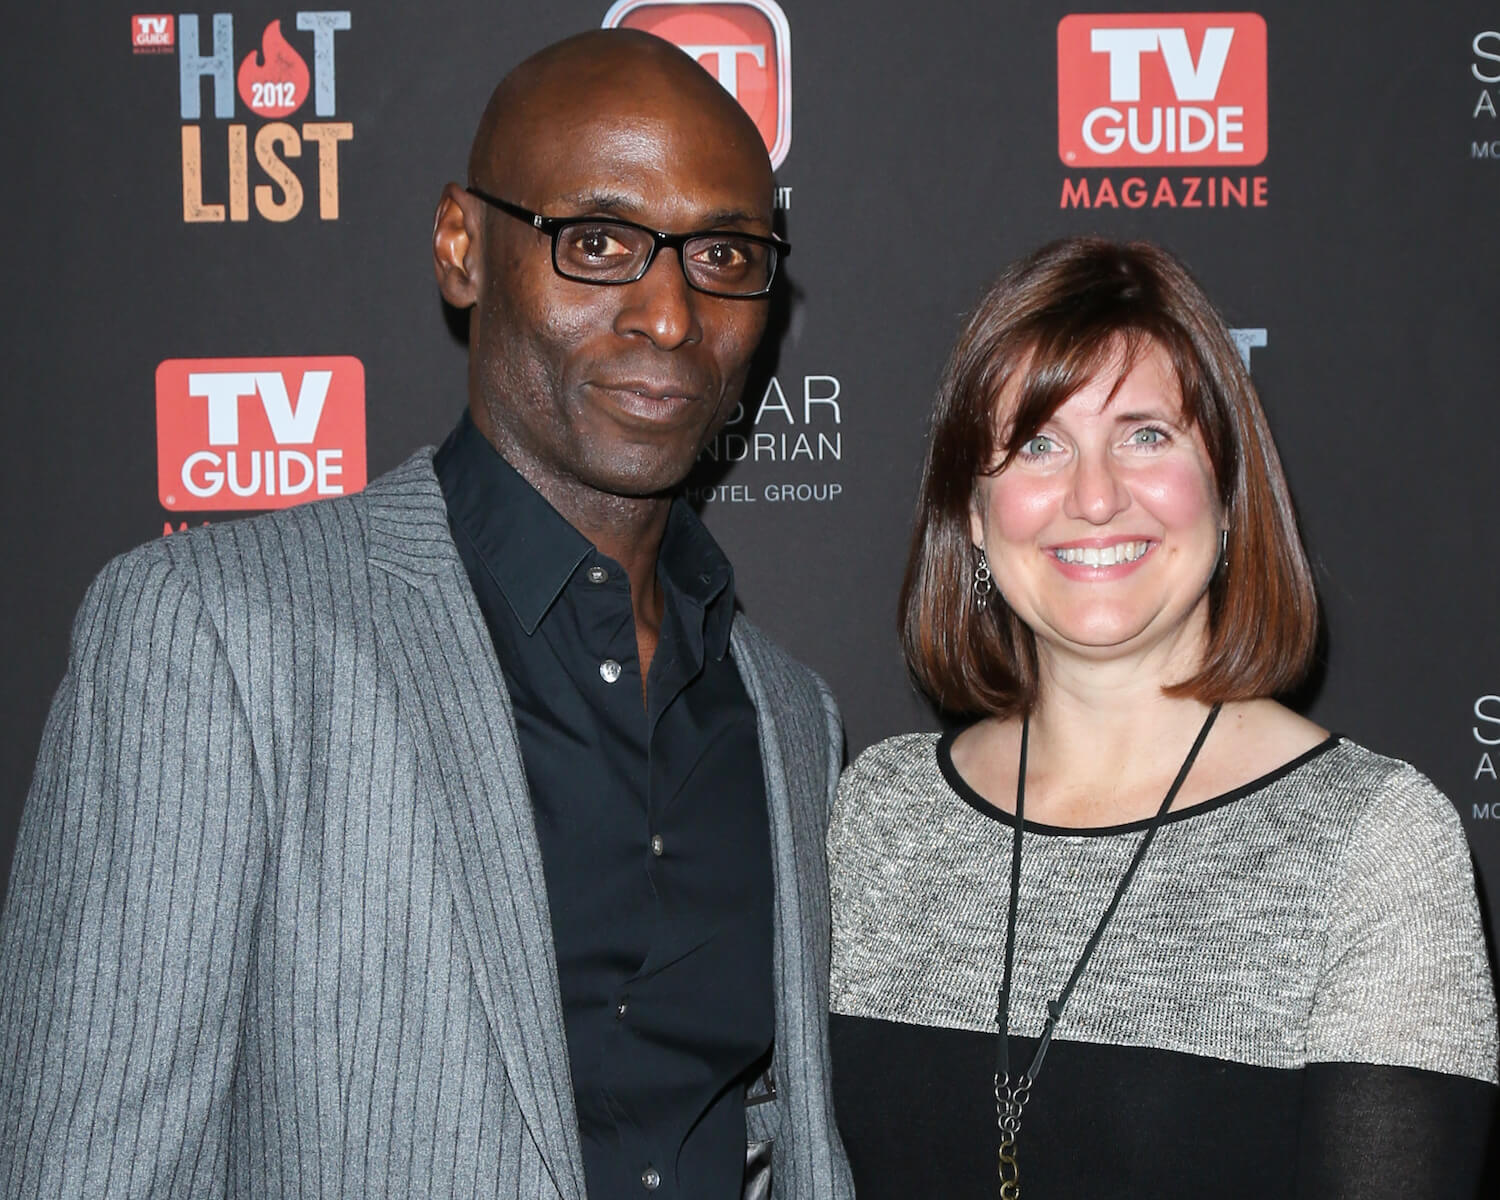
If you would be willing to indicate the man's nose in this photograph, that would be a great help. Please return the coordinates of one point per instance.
(661, 304)
(1096, 492)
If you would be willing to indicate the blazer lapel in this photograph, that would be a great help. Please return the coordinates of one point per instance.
(454, 704)
(799, 747)
(791, 915)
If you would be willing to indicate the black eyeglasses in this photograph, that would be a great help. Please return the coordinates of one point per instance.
(607, 251)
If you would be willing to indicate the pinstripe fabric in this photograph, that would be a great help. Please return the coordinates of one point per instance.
(276, 923)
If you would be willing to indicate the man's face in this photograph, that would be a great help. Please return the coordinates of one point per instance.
(616, 389)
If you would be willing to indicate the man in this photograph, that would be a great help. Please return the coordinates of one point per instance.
(456, 838)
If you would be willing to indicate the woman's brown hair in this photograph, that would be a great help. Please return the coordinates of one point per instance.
(1046, 327)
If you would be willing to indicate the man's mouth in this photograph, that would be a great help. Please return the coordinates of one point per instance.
(661, 392)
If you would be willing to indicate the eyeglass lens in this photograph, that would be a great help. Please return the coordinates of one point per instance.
(604, 252)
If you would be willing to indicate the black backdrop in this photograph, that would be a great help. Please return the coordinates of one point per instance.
(922, 151)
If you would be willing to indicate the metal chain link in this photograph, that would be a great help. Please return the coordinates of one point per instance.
(1010, 1102)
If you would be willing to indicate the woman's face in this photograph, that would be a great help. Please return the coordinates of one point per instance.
(1103, 531)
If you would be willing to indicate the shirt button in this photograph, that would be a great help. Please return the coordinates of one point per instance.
(621, 1009)
(609, 670)
(657, 845)
(598, 575)
(651, 1179)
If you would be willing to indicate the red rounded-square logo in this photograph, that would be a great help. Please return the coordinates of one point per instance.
(745, 44)
(153, 33)
(1161, 89)
(257, 433)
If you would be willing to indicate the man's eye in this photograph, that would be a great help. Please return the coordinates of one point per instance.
(722, 256)
(597, 243)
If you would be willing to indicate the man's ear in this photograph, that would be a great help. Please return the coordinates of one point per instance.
(456, 243)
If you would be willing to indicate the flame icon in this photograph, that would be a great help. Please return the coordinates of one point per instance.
(277, 85)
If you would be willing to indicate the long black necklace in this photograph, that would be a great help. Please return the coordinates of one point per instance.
(1010, 1098)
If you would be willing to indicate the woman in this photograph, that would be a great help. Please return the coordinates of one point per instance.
(1230, 953)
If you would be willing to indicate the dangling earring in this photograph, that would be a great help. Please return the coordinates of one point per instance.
(982, 584)
(1223, 564)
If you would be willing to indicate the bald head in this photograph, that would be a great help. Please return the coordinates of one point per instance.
(566, 87)
(606, 395)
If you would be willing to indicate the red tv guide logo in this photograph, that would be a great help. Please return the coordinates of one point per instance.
(150, 32)
(255, 433)
(745, 44)
(1161, 89)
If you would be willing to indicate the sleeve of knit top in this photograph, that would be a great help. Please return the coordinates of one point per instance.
(1405, 978)
(1400, 1096)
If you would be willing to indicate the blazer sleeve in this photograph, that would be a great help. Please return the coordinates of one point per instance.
(127, 933)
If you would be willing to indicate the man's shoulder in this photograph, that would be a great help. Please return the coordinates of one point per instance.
(306, 549)
(411, 487)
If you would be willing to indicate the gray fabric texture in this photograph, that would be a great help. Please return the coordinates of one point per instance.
(1327, 914)
(276, 923)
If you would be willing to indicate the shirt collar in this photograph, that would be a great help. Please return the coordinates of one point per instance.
(693, 566)
(531, 551)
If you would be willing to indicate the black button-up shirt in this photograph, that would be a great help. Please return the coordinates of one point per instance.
(652, 822)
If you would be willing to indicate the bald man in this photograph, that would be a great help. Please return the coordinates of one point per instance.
(458, 837)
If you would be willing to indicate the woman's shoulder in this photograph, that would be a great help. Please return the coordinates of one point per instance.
(1364, 792)
(897, 762)
(1347, 785)
(887, 792)
(1401, 815)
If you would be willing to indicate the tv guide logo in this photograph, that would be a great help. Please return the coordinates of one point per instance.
(245, 158)
(745, 44)
(258, 433)
(1161, 89)
(152, 33)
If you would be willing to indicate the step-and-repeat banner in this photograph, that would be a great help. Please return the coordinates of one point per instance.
(221, 296)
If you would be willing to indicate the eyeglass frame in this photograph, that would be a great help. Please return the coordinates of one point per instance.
(552, 226)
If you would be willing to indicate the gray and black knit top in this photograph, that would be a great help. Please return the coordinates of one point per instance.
(1301, 956)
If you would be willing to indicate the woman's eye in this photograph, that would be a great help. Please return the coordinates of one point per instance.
(1148, 436)
(1037, 446)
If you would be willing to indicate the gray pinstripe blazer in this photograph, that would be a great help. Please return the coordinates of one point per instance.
(276, 922)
